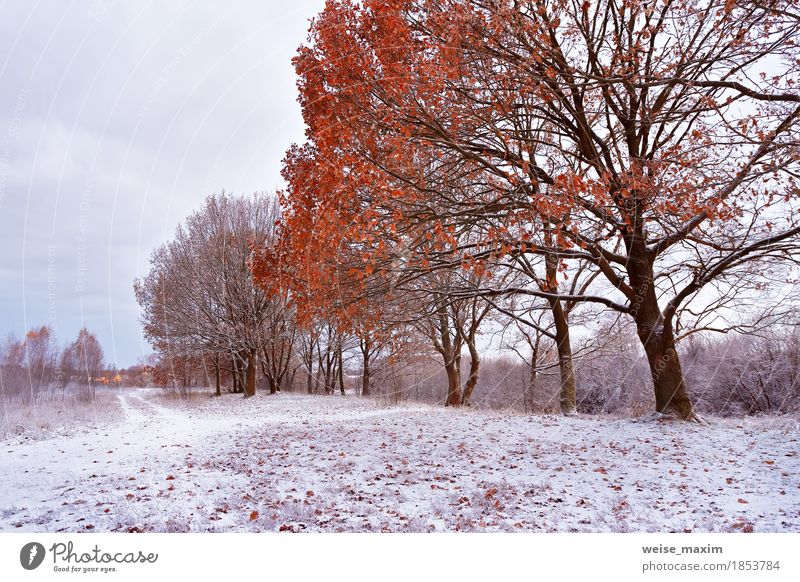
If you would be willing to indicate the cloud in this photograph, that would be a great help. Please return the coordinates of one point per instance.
(116, 120)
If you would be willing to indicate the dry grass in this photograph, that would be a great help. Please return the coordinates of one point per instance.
(56, 409)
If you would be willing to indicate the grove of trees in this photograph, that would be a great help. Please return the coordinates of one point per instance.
(199, 301)
(545, 204)
(545, 161)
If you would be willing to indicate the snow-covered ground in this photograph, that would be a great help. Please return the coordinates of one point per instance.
(303, 463)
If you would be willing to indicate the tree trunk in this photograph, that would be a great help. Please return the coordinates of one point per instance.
(563, 345)
(319, 386)
(472, 380)
(567, 372)
(656, 336)
(341, 372)
(665, 369)
(453, 384)
(250, 380)
(235, 376)
(365, 378)
(450, 349)
(216, 377)
(309, 381)
(365, 372)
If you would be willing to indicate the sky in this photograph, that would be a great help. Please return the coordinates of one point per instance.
(117, 118)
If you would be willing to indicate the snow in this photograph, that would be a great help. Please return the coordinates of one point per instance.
(333, 463)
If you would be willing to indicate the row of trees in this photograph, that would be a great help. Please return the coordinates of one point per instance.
(543, 160)
(208, 319)
(36, 363)
(392, 350)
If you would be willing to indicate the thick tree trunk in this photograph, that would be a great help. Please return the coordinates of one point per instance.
(656, 336)
(250, 380)
(665, 369)
(472, 380)
(453, 384)
(365, 378)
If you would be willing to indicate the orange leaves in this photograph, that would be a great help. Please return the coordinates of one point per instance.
(425, 128)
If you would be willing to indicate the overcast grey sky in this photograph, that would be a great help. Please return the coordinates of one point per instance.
(116, 119)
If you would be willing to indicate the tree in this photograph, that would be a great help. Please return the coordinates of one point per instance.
(40, 357)
(450, 325)
(88, 357)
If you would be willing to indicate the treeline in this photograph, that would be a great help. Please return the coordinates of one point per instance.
(211, 325)
(544, 178)
(36, 365)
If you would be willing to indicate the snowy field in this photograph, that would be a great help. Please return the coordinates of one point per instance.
(305, 463)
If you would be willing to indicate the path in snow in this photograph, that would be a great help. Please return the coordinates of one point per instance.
(298, 463)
